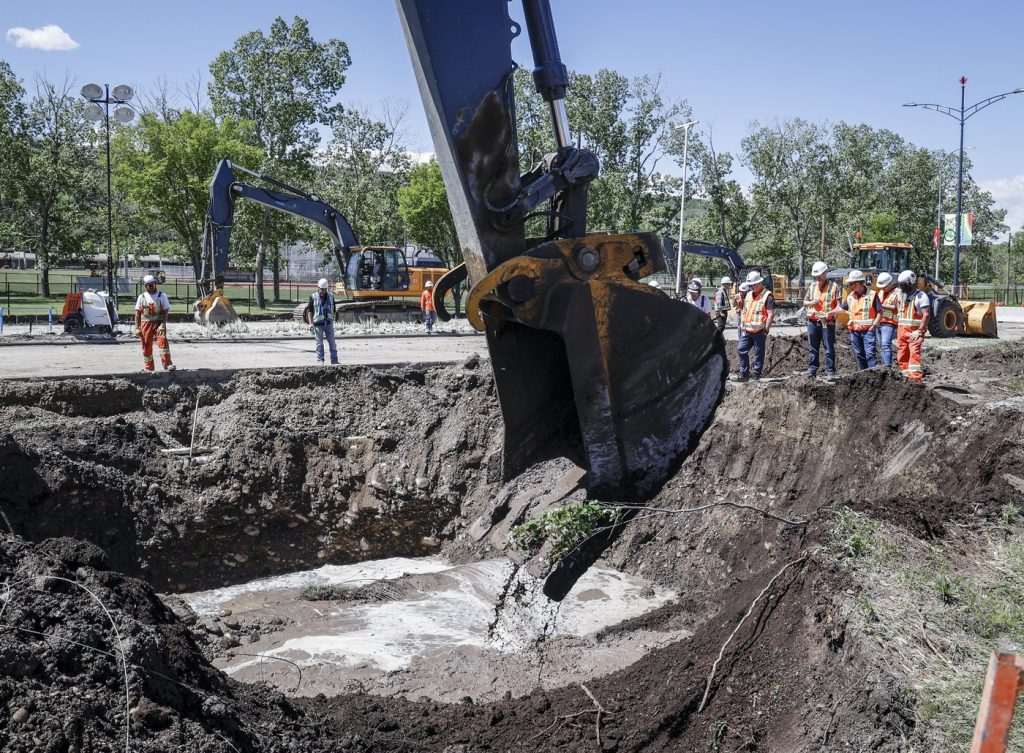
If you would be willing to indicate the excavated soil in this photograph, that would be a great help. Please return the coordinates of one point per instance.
(313, 467)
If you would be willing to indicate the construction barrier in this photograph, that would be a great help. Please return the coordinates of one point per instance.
(31, 314)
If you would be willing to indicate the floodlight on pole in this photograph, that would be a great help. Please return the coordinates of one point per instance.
(102, 95)
(682, 204)
(962, 115)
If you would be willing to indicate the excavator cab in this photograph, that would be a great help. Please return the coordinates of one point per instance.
(376, 268)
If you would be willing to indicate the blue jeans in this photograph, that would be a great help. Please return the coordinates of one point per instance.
(321, 331)
(886, 334)
(429, 317)
(748, 340)
(864, 348)
(816, 333)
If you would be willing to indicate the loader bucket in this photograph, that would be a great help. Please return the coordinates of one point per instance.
(980, 318)
(214, 308)
(595, 359)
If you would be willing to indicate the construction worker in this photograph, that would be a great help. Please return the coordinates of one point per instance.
(865, 310)
(151, 310)
(913, 311)
(821, 299)
(427, 306)
(738, 300)
(888, 294)
(655, 284)
(756, 321)
(723, 304)
(320, 314)
(695, 297)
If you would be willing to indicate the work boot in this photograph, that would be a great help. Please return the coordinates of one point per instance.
(830, 376)
(741, 378)
(756, 375)
(172, 367)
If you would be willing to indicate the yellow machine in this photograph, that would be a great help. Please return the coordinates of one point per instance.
(950, 316)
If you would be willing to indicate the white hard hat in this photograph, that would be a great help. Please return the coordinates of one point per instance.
(149, 280)
(855, 276)
(819, 268)
(654, 284)
(323, 284)
(884, 279)
(726, 280)
(694, 284)
(907, 276)
(744, 287)
(754, 277)
(429, 284)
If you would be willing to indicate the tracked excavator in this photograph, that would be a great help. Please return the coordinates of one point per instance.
(374, 278)
(585, 355)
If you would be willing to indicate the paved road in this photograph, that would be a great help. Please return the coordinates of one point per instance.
(124, 357)
(96, 358)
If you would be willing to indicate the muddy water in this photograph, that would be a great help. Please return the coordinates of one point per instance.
(435, 630)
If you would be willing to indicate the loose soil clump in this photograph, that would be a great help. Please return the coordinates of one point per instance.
(823, 508)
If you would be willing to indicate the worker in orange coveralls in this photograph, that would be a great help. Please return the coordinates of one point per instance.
(151, 310)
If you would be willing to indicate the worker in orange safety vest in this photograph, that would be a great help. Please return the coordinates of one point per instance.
(755, 323)
(914, 310)
(888, 294)
(151, 310)
(427, 306)
(820, 301)
(865, 310)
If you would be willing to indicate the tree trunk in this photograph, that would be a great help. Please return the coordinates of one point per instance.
(43, 257)
(261, 257)
(275, 266)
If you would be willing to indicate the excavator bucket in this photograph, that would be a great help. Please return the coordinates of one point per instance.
(584, 354)
(980, 318)
(214, 308)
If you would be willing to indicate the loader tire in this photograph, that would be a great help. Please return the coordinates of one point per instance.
(948, 319)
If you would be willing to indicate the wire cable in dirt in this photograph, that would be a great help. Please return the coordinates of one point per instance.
(702, 508)
(721, 652)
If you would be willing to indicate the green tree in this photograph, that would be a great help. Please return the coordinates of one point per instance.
(286, 84)
(365, 165)
(62, 181)
(164, 166)
(423, 206)
(13, 157)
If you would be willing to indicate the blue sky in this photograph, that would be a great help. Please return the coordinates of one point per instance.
(734, 62)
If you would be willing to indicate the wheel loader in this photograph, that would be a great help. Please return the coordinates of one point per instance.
(588, 360)
(950, 316)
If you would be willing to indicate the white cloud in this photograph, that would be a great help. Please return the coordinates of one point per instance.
(1009, 195)
(49, 38)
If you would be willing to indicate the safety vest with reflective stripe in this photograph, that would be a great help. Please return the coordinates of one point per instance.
(722, 300)
(862, 310)
(152, 306)
(889, 302)
(824, 300)
(755, 313)
(323, 308)
(909, 315)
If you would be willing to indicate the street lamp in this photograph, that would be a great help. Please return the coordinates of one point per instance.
(682, 203)
(123, 113)
(938, 210)
(962, 115)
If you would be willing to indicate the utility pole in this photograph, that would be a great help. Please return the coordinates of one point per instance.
(682, 205)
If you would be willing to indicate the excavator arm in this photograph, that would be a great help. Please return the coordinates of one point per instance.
(588, 361)
(225, 189)
(715, 251)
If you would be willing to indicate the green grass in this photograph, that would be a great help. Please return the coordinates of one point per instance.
(913, 593)
(566, 528)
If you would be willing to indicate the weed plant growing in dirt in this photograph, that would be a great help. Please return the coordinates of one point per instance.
(938, 613)
(565, 528)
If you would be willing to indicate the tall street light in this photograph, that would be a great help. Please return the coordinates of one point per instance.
(123, 113)
(938, 210)
(962, 116)
(682, 203)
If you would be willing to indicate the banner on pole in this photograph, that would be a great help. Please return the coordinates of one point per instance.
(966, 229)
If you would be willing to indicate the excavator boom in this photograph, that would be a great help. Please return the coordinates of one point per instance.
(587, 360)
(225, 189)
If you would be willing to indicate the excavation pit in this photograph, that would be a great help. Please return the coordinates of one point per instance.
(858, 554)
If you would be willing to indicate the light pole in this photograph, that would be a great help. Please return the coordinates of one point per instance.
(682, 203)
(962, 116)
(123, 113)
(938, 212)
